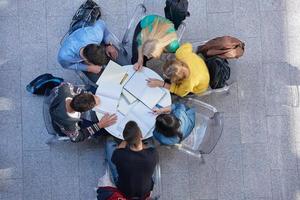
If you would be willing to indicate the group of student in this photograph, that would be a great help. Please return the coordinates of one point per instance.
(88, 49)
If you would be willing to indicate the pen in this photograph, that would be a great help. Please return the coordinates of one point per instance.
(124, 78)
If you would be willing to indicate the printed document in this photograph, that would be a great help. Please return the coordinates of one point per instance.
(109, 97)
(137, 86)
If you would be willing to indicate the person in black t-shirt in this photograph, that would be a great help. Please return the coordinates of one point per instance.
(132, 164)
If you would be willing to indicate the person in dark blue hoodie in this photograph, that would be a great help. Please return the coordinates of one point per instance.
(173, 123)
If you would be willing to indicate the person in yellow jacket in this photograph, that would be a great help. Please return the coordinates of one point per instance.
(188, 73)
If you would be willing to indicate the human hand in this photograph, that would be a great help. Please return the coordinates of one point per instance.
(138, 65)
(111, 52)
(157, 111)
(107, 120)
(153, 82)
(94, 68)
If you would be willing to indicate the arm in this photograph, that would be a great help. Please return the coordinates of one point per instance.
(159, 111)
(66, 61)
(78, 134)
(152, 82)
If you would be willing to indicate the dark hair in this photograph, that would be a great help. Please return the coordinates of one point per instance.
(168, 125)
(95, 54)
(132, 133)
(83, 102)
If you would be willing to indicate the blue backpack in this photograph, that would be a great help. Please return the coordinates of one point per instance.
(42, 83)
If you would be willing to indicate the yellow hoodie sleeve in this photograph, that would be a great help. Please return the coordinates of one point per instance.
(184, 50)
(180, 90)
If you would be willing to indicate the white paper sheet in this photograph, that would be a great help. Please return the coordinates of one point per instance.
(137, 86)
(109, 97)
(113, 73)
(142, 115)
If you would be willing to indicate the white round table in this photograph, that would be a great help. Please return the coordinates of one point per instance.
(165, 101)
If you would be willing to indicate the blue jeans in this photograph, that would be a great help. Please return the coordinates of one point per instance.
(110, 145)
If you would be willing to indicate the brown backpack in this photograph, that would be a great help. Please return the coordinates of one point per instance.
(226, 47)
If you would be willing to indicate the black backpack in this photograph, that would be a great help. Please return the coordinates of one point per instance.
(176, 11)
(219, 71)
(42, 83)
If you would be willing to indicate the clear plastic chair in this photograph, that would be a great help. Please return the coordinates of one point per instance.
(139, 13)
(157, 190)
(49, 97)
(207, 131)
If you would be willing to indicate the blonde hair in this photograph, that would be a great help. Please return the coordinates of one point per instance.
(173, 71)
(156, 40)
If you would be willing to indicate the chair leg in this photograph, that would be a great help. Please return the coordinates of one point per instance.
(50, 140)
(125, 38)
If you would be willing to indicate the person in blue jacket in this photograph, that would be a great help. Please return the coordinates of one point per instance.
(173, 123)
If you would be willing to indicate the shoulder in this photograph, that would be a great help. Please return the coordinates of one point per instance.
(183, 49)
(146, 21)
(173, 46)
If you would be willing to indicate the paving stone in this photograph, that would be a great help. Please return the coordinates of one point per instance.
(278, 97)
(220, 24)
(37, 175)
(285, 184)
(32, 109)
(228, 104)
(87, 186)
(32, 61)
(130, 8)
(112, 7)
(176, 186)
(273, 33)
(11, 151)
(9, 8)
(11, 189)
(10, 106)
(196, 24)
(247, 23)
(215, 6)
(252, 53)
(256, 171)
(65, 188)
(173, 161)
(294, 120)
(281, 145)
(61, 8)
(32, 28)
(229, 158)
(229, 185)
(231, 134)
(292, 5)
(64, 159)
(294, 51)
(203, 177)
(56, 29)
(35, 138)
(268, 5)
(116, 24)
(293, 21)
(30, 8)
(9, 43)
(91, 161)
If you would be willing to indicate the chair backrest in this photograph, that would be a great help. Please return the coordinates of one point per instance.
(49, 97)
(157, 190)
(139, 13)
(207, 131)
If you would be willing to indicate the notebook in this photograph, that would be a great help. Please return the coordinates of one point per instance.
(113, 74)
(137, 86)
(142, 115)
(109, 97)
